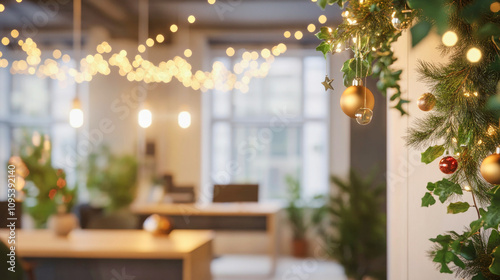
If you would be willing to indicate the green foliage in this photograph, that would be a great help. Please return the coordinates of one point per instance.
(49, 187)
(463, 124)
(458, 207)
(428, 200)
(355, 228)
(298, 209)
(432, 153)
(371, 24)
(113, 177)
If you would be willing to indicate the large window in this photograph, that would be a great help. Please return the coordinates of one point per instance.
(32, 105)
(278, 128)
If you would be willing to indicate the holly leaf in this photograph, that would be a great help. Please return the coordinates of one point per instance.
(432, 153)
(324, 47)
(445, 188)
(324, 33)
(458, 262)
(493, 241)
(479, 276)
(458, 207)
(431, 186)
(428, 200)
(492, 216)
(495, 264)
(419, 32)
(476, 225)
(468, 252)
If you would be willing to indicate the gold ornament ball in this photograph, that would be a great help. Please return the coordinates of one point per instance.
(426, 102)
(158, 225)
(353, 99)
(490, 169)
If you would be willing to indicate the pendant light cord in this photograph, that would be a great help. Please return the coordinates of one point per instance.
(77, 36)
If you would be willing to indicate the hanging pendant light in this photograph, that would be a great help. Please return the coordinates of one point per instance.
(76, 114)
(76, 118)
(184, 119)
(145, 118)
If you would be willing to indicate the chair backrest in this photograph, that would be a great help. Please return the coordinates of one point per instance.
(236, 193)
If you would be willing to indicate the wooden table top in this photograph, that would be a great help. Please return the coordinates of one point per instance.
(207, 209)
(119, 244)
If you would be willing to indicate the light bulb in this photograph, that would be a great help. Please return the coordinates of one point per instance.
(474, 55)
(449, 38)
(184, 119)
(76, 114)
(145, 118)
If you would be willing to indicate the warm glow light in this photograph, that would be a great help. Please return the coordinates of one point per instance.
(76, 114)
(265, 53)
(66, 58)
(322, 19)
(56, 54)
(311, 27)
(495, 7)
(145, 118)
(14, 33)
(450, 38)
(314, 1)
(287, 34)
(467, 188)
(5, 41)
(211, 2)
(191, 19)
(184, 119)
(150, 42)
(230, 51)
(174, 28)
(474, 55)
(2, 8)
(188, 53)
(160, 38)
(141, 48)
(298, 35)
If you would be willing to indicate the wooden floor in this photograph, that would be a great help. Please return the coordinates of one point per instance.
(250, 267)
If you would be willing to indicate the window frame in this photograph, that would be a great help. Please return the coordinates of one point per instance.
(299, 122)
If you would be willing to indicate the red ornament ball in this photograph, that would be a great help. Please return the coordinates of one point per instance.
(448, 165)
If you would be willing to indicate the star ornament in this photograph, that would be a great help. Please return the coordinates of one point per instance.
(327, 83)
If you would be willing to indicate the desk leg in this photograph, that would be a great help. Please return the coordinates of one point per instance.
(197, 264)
(273, 242)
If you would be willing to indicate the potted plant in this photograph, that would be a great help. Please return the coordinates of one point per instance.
(299, 216)
(46, 187)
(353, 225)
(112, 182)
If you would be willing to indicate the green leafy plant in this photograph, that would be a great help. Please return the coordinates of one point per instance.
(367, 24)
(46, 187)
(296, 208)
(462, 124)
(353, 225)
(112, 177)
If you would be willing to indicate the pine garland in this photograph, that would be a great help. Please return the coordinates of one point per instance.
(461, 124)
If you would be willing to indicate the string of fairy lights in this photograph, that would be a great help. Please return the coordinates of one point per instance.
(136, 68)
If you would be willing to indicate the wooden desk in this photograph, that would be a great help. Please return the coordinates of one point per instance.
(184, 254)
(247, 216)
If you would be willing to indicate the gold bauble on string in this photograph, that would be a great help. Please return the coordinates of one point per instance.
(158, 225)
(353, 99)
(426, 102)
(490, 168)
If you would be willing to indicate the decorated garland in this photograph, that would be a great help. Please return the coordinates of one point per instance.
(368, 29)
(461, 126)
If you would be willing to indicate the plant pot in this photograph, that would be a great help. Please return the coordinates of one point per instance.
(299, 248)
(62, 224)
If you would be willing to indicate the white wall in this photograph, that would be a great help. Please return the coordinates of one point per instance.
(409, 225)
